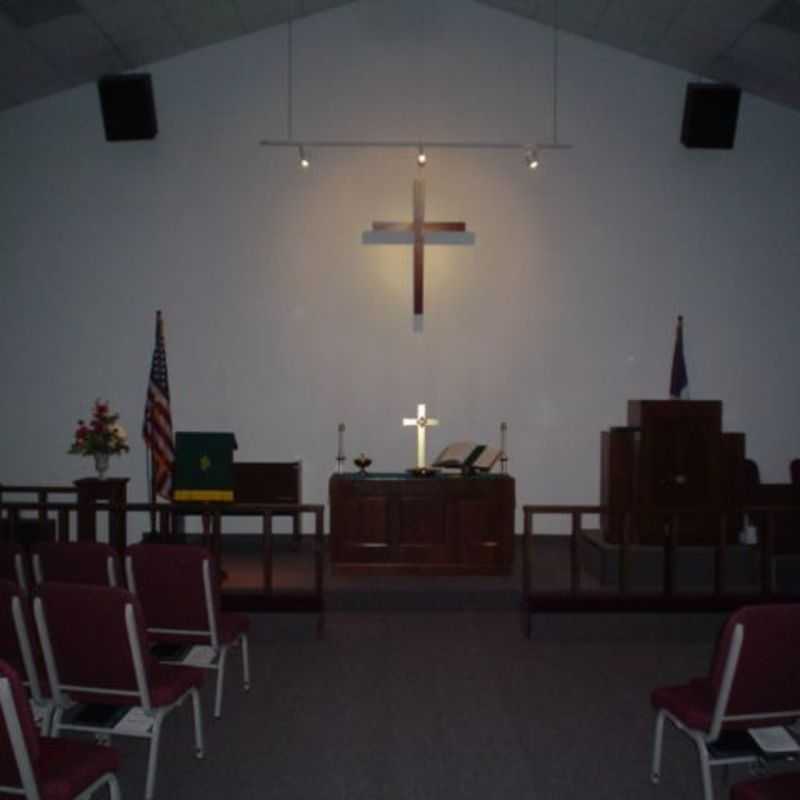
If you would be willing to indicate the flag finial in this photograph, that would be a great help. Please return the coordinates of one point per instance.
(678, 379)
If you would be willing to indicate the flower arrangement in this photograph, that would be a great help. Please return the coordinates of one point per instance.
(101, 435)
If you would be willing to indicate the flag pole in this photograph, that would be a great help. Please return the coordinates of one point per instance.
(151, 495)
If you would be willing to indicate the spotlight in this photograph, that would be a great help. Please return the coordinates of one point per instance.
(422, 159)
(304, 162)
(532, 158)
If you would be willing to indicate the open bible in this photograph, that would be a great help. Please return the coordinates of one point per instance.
(468, 457)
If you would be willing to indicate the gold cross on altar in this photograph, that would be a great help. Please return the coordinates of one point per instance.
(422, 423)
(419, 228)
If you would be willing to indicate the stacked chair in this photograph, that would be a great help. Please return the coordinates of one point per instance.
(50, 648)
(72, 620)
(753, 682)
(19, 646)
(178, 588)
(43, 768)
(92, 563)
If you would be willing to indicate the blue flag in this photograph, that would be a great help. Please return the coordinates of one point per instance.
(678, 380)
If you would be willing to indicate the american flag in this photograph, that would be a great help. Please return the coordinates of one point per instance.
(157, 427)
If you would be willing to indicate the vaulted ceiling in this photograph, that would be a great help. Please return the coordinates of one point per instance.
(47, 46)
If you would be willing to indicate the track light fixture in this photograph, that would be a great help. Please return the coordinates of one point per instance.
(304, 161)
(531, 152)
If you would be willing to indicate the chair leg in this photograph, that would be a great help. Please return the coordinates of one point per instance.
(705, 767)
(223, 657)
(658, 740)
(199, 748)
(152, 757)
(245, 662)
(113, 788)
(55, 722)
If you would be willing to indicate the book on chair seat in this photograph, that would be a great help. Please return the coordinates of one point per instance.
(775, 739)
(468, 456)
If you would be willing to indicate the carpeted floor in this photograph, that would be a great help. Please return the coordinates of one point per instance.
(417, 706)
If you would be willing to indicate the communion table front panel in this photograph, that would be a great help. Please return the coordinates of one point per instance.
(438, 524)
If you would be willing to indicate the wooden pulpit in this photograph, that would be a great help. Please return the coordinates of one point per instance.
(671, 456)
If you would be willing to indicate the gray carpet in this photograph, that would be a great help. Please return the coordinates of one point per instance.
(416, 706)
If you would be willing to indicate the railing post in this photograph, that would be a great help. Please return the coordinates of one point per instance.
(575, 573)
(62, 534)
(319, 566)
(216, 536)
(670, 534)
(266, 541)
(720, 554)
(622, 565)
(164, 522)
(767, 553)
(41, 497)
(527, 540)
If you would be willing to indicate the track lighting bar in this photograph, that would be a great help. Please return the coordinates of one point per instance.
(525, 148)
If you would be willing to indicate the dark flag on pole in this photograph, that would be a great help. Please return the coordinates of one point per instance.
(157, 427)
(678, 380)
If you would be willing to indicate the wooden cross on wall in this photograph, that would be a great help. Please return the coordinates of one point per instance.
(423, 233)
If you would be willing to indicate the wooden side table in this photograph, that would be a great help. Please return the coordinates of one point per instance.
(103, 494)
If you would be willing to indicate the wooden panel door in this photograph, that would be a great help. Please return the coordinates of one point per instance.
(419, 535)
(479, 525)
(363, 532)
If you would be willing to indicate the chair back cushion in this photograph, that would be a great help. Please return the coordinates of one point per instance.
(9, 774)
(89, 637)
(169, 585)
(75, 562)
(767, 676)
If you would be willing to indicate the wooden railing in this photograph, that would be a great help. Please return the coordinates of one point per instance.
(38, 509)
(662, 597)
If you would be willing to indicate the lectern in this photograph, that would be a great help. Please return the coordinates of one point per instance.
(203, 467)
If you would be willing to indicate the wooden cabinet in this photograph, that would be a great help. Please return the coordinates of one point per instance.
(672, 455)
(442, 524)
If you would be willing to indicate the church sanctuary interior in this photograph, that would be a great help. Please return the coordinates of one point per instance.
(403, 392)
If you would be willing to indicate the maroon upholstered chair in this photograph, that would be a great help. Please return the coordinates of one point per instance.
(43, 768)
(178, 588)
(19, 646)
(94, 563)
(785, 786)
(753, 682)
(72, 620)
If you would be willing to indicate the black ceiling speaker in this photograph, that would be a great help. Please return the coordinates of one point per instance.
(129, 111)
(709, 115)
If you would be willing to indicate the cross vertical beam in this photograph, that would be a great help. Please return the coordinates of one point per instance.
(420, 230)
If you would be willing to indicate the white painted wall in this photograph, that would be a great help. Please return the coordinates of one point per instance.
(280, 323)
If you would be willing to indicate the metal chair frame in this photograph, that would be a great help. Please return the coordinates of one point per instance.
(212, 632)
(702, 738)
(30, 786)
(141, 694)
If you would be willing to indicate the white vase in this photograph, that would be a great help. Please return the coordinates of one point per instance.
(101, 464)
